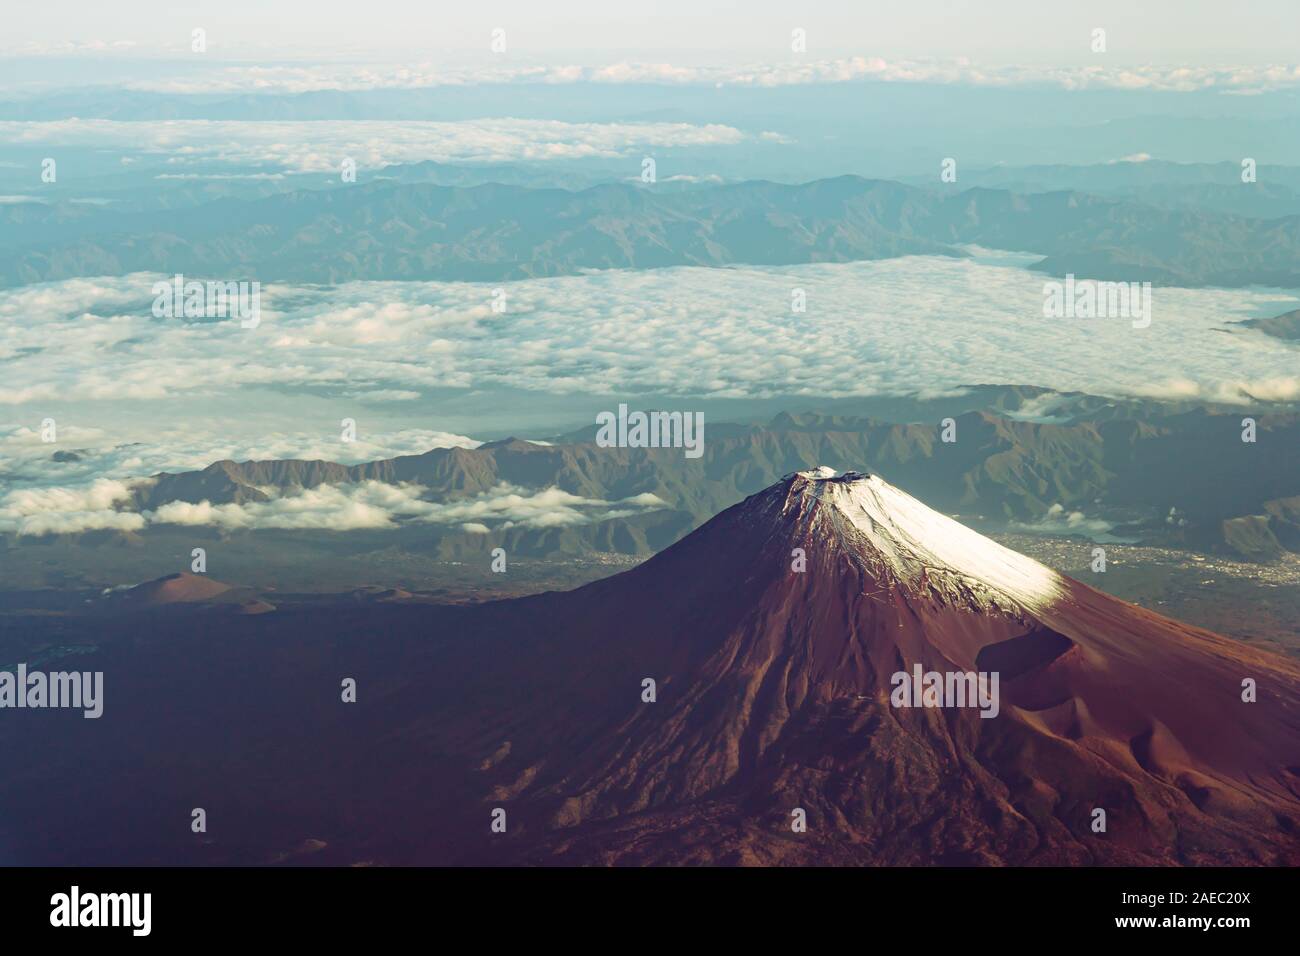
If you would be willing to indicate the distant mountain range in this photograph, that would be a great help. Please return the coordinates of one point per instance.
(390, 230)
(1211, 187)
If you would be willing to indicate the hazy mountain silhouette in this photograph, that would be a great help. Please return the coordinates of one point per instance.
(389, 230)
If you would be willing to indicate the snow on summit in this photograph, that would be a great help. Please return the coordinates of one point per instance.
(920, 546)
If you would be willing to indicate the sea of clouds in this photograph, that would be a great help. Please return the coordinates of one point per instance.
(898, 327)
(319, 146)
(89, 353)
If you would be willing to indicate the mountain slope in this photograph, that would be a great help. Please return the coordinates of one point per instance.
(774, 695)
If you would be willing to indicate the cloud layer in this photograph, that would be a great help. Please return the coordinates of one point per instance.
(307, 77)
(367, 505)
(38, 511)
(321, 146)
(892, 327)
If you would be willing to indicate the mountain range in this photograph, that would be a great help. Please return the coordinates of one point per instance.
(1229, 495)
(493, 232)
(1211, 187)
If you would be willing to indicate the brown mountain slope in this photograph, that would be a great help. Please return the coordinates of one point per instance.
(774, 694)
(181, 587)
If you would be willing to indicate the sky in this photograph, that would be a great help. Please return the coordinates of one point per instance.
(1022, 30)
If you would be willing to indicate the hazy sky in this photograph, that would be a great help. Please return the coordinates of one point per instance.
(1011, 30)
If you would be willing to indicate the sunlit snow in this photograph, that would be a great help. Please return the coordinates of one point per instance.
(916, 541)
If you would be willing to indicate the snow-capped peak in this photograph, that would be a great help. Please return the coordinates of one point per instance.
(925, 550)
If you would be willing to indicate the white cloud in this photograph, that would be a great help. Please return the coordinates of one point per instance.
(320, 146)
(366, 505)
(1281, 388)
(387, 395)
(890, 327)
(38, 511)
(1058, 521)
(308, 77)
(508, 507)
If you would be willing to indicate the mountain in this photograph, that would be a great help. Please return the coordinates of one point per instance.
(774, 691)
(179, 588)
(493, 232)
(775, 694)
(1285, 326)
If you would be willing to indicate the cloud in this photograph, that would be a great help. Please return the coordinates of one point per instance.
(507, 506)
(1058, 521)
(321, 146)
(387, 395)
(39, 511)
(367, 505)
(307, 77)
(892, 327)
(1283, 388)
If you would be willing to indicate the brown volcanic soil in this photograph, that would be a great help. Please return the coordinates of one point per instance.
(773, 694)
(179, 588)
